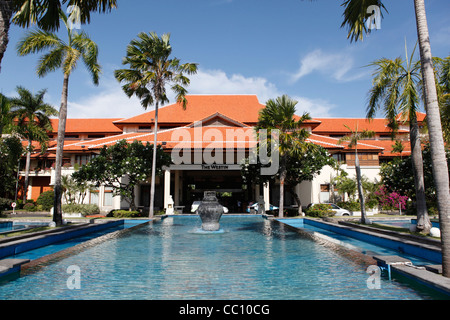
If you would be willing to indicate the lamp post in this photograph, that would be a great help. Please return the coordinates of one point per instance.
(17, 185)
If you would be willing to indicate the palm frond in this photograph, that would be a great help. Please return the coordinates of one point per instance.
(355, 15)
(37, 41)
(50, 61)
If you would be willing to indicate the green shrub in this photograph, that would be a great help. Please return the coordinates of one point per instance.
(29, 206)
(349, 205)
(46, 200)
(84, 209)
(127, 214)
(5, 204)
(320, 210)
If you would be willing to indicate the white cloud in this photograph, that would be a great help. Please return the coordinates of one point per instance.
(317, 108)
(218, 82)
(111, 102)
(334, 65)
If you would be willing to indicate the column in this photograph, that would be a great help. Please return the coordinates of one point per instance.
(166, 187)
(266, 193)
(177, 188)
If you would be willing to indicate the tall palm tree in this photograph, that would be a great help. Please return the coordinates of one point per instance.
(33, 122)
(6, 12)
(150, 70)
(279, 116)
(61, 55)
(395, 90)
(352, 18)
(45, 14)
(353, 139)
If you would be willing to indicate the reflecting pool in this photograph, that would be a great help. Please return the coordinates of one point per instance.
(253, 258)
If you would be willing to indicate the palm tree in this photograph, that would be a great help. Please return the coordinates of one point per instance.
(33, 122)
(151, 69)
(45, 14)
(395, 90)
(353, 139)
(5, 113)
(442, 70)
(352, 19)
(355, 15)
(279, 117)
(6, 12)
(61, 55)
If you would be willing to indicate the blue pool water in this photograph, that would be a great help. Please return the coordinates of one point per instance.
(58, 246)
(253, 258)
(356, 244)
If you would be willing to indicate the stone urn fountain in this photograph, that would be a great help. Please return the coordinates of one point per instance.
(210, 211)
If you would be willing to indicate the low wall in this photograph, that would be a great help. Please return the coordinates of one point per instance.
(13, 247)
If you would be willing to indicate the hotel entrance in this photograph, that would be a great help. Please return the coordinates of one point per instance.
(227, 184)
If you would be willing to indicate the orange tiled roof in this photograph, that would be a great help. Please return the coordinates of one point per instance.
(104, 125)
(420, 117)
(336, 125)
(332, 143)
(181, 137)
(208, 137)
(241, 108)
(387, 146)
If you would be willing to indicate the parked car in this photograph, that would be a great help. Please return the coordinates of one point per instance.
(195, 205)
(338, 211)
(255, 207)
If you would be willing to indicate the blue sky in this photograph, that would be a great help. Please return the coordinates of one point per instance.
(261, 47)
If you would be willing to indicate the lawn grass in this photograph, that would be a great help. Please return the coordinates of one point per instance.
(19, 232)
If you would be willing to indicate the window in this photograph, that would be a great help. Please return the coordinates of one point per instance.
(108, 197)
(93, 199)
(339, 157)
(145, 128)
(82, 159)
(324, 193)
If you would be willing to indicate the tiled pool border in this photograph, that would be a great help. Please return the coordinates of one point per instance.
(430, 279)
(420, 275)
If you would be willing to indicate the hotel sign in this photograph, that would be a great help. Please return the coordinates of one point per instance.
(205, 167)
(214, 167)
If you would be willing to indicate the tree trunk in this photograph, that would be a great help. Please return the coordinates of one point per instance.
(423, 220)
(155, 140)
(360, 189)
(57, 206)
(282, 181)
(27, 172)
(438, 157)
(5, 22)
(297, 200)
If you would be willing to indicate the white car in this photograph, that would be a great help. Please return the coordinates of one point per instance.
(195, 205)
(255, 206)
(338, 211)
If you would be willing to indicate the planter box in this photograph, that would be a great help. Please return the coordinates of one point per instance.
(368, 213)
(72, 215)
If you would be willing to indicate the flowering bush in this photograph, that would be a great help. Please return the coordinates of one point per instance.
(390, 200)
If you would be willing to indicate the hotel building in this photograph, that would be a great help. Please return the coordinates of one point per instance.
(207, 140)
